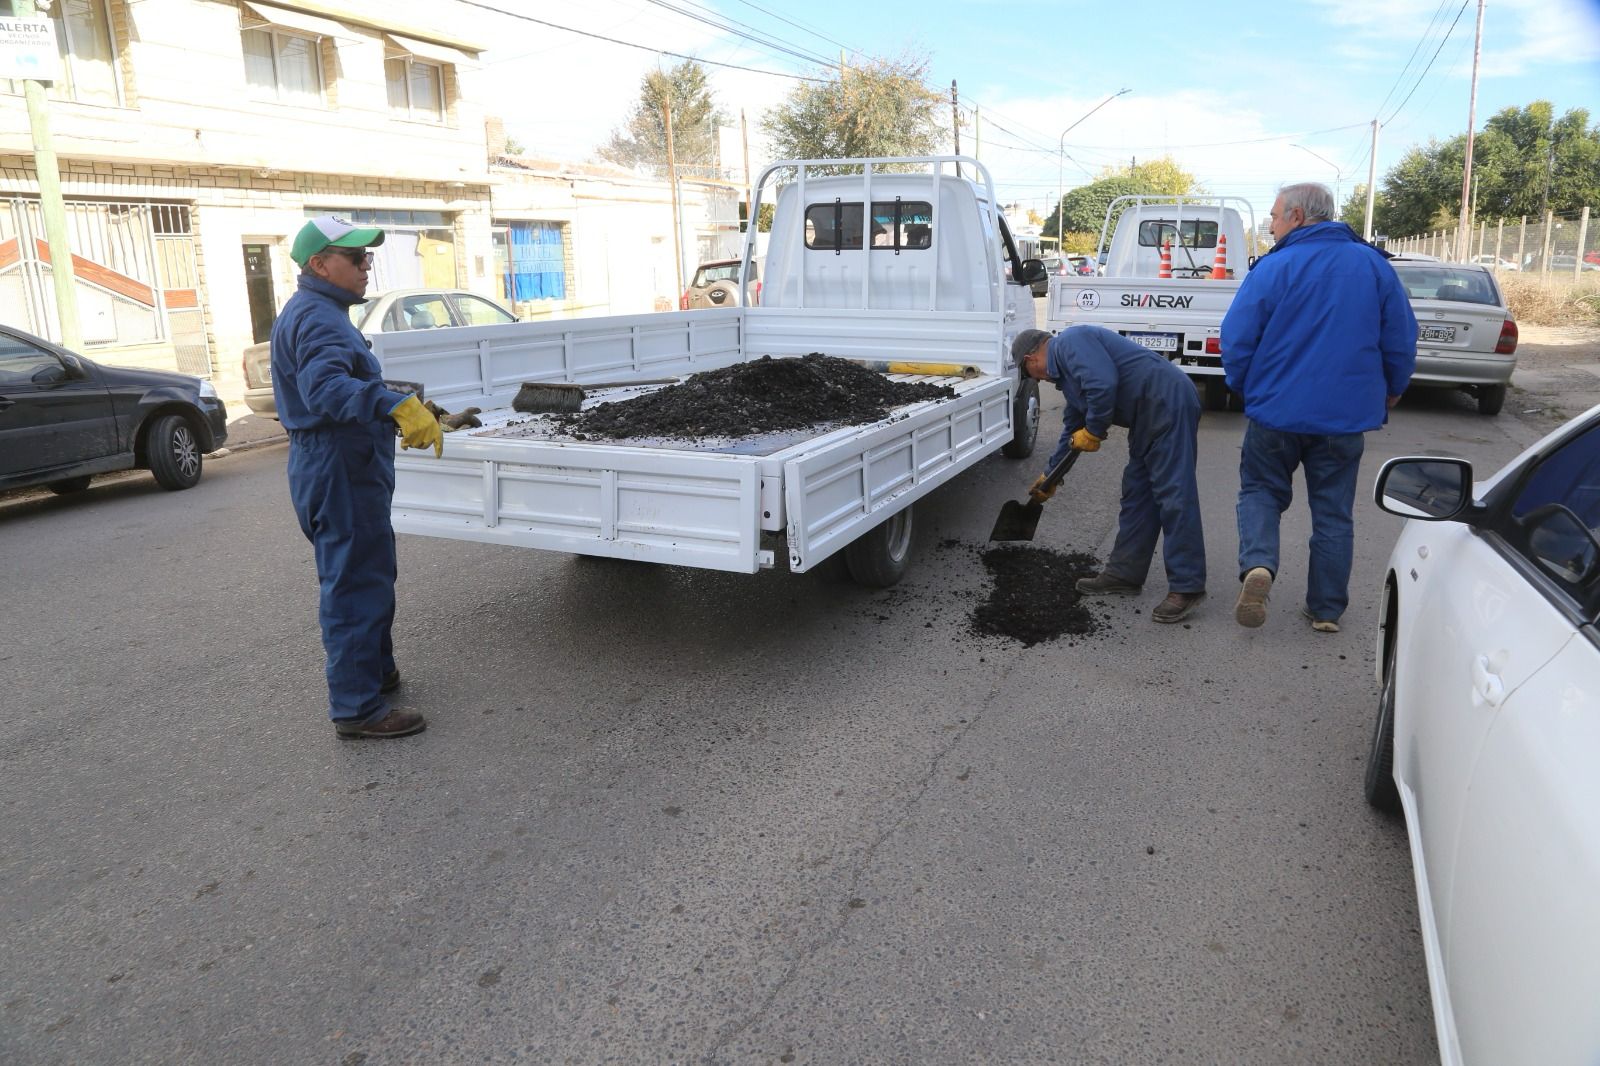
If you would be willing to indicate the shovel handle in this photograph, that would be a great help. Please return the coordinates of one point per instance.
(1059, 471)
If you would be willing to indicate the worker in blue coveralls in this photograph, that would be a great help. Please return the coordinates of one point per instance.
(1320, 341)
(341, 420)
(1110, 381)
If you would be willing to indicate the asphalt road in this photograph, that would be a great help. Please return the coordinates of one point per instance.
(671, 816)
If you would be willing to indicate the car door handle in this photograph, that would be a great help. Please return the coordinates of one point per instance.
(1486, 684)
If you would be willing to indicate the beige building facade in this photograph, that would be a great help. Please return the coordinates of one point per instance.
(195, 137)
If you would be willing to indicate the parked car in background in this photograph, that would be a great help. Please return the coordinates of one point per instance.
(1466, 336)
(1495, 262)
(1561, 264)
(716, 284)
(1082, 265)
(65, 418)
(1487, 739)
(393, 311)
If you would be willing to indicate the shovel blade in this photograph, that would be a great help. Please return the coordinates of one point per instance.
(1017, 521)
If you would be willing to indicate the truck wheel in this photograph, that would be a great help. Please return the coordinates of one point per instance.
(1379, 786)
(880, 558)
(173, 452)
(1024, 420)
(68, 485)
(1217, 394)
(1491, 398)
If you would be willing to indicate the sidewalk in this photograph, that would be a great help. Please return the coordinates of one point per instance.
(1557, 378)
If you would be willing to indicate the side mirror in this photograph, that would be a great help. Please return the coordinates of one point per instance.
(1560, 542)
(1435, 490)
(51, 374)
(1033, 270)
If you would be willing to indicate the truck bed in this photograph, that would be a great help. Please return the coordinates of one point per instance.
(519, 480)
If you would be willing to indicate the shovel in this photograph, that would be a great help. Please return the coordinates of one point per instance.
(1019, 520)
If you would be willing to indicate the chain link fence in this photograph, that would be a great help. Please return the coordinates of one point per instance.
(1564, 248)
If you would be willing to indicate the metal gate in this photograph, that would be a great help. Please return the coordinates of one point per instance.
(134, 262)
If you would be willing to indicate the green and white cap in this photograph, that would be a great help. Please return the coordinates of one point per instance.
(331, 231)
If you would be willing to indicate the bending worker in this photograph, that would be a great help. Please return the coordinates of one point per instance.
(1110, 381)
(341, 420)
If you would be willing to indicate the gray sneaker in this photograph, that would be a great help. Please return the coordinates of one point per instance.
(1177, 606)
(1320, 625)
(1103, 584)
(1251, 610)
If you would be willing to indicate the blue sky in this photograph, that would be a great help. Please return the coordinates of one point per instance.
(1228, 89)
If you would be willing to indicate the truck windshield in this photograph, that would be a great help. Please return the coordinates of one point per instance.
(1196, 233)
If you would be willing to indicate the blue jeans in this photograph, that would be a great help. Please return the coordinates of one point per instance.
(1266, 486)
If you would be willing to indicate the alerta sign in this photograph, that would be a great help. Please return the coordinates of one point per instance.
(1150, 299)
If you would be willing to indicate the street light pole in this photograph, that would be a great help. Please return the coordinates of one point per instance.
(1061, 154)
(1338, 177)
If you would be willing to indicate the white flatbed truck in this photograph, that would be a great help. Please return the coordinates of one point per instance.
(935, 292)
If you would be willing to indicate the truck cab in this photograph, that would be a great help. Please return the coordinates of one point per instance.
(1190, 225)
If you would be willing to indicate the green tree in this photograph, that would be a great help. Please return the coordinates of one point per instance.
(1084, 208)
(881, 108)
(642, 143)
(1419, 190)
(1162, 176)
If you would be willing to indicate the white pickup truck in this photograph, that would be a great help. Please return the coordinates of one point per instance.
(1179, 315)
(930, 288)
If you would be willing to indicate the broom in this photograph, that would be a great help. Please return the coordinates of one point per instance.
(564, 397)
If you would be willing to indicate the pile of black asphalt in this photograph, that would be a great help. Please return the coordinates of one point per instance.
(762, 396)
(1033, 598)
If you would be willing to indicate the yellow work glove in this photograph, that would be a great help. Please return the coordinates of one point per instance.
(1085, 441)
(1038, 493)
(418, 427)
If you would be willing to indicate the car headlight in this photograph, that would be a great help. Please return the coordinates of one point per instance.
(208, 391)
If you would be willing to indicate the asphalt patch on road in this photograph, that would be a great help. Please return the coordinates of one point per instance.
(761, 396)
(1033, 599)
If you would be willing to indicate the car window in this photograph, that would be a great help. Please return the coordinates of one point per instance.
(897, 225)
(715, 272)
(426, 311)
(20, 361)
(476, 311)
(1568, 479)
(1441, 281)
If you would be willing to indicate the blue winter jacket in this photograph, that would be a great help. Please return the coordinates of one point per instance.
(1319, 334)
(323, 371)
(1107, 380)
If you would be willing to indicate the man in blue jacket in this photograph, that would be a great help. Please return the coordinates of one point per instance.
(1107, 381)
(341, 420)
(1320, 341)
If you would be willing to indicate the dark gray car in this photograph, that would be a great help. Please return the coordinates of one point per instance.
(65, 418)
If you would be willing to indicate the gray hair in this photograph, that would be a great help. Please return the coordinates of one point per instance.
(1312, 198)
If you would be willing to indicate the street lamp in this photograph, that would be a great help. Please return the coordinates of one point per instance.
(1061, 151)
(1338, 176)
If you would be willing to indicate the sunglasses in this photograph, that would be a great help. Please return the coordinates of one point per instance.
(358, 256)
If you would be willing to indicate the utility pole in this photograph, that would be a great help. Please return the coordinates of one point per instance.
(1372, 183)
(672, 179)
(955, 116)
(744, 139)
(1464, 230)
(51, 205)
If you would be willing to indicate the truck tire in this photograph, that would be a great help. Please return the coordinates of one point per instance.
(1024, 420)
(880, 557)
(1218, 395)
(173, 451)
(1491, 398)
(69, 485)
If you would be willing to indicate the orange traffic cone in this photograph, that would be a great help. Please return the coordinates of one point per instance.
(1219, 266)
(1166, 260)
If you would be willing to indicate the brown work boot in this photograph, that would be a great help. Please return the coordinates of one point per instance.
(1251, 610)
(1177, 606)
(1103, 584)
(1320, 625)
(396, 723)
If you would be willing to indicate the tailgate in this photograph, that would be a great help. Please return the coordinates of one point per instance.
(841, 488)
(625, 503)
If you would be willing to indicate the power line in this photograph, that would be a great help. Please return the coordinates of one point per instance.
(641, 47)
(1426, 33)
(801, 26)
(1429, 67)
(724, 24)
